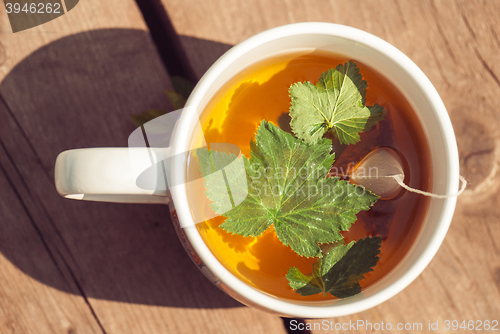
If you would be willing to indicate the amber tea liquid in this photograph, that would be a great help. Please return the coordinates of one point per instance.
(261, 92)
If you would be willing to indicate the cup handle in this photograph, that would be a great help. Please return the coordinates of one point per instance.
(112, 174)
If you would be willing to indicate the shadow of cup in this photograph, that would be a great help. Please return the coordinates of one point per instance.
(80, 91)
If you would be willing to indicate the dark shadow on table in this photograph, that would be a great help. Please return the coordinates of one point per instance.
(202, 53)
(77, 92)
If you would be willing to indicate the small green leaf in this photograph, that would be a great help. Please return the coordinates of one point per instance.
(288, 188)
(332, 255)
(304, 284)
(336, 104)
(342, 280)
(340, 269)
(225, 179)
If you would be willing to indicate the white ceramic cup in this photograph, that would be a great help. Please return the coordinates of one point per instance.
(107, 174)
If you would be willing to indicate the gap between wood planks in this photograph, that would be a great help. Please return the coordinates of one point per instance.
(176, 62)
(166, 40)
(26, 207)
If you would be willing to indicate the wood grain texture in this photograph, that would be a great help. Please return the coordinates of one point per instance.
(23, 299)
(90, 15)
(82, 267)
(456, 44)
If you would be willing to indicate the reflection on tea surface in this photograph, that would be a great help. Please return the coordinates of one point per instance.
(261, 92)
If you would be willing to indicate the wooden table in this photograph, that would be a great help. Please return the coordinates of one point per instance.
(81, 267)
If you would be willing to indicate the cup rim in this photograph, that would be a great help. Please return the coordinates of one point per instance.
(180, 146)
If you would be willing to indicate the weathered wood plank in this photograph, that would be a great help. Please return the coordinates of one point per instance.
(68, 266)
(456, 44)
(54, 301)
(26, 305)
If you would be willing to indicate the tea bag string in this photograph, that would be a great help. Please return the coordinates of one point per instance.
(400, 177)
